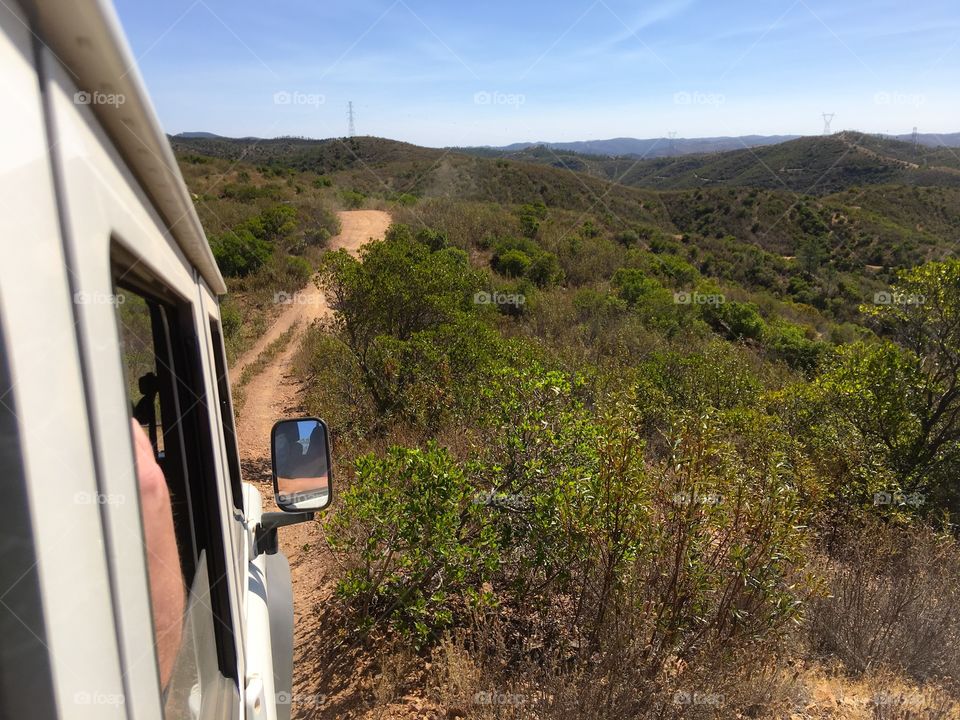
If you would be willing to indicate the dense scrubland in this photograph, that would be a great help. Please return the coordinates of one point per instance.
(607, 451)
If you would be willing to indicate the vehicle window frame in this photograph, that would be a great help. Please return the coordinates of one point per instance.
(226, 413)
(190, 454)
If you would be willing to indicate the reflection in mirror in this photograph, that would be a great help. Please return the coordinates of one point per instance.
(301, 464)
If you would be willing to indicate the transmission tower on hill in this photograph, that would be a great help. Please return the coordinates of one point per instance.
(351, 129)
(827, 119)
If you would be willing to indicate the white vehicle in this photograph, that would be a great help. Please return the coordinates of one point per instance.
(108, 309)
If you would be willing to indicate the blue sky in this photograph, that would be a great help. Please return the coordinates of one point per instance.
(494, 72)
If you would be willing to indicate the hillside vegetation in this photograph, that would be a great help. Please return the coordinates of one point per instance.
(809, 165)
(608, 451)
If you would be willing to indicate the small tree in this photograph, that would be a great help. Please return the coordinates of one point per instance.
(904, 396)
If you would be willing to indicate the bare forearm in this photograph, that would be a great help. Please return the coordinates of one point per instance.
(163, 559)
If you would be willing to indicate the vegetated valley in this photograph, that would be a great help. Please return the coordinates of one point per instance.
(614, 437)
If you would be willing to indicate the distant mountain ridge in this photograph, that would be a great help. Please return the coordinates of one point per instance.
(648, 148)
(930, 139)
(655, 147)
(196, 135)
(678, 147)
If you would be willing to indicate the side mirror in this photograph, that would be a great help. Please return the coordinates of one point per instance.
(300, 451)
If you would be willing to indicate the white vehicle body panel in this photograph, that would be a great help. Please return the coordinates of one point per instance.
(87, 188)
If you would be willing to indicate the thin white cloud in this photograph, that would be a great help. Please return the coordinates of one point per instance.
(647, 17)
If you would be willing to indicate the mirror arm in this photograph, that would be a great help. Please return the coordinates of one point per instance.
(265, 538)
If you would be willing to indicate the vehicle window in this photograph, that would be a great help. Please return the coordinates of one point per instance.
(168, 400)
(226, 414)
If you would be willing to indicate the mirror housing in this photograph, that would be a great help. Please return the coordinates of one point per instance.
(300, 457)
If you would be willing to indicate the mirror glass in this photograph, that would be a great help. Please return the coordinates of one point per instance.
(301, 464)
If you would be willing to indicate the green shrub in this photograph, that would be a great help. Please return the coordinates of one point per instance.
(405, 199)
(247, 193)
(735, 320)
(410, 520)
(512, 263)
(433, 239)
(789, 343)
(230, 320)
(298, 270)
(530, 218)
(353, 199)
(273, 223)
(562, 515)
(239, 252)
(544, 270)
(408, 315)
(632, 284)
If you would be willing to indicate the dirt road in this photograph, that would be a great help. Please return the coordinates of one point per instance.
(357, 227)
(273, 394)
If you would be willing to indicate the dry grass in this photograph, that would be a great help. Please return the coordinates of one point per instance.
(893, 599)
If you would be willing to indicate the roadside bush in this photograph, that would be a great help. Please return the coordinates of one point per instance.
(433, 239)
(352, 199)
(239, 252)
(561, 522)
(333, 386)
(408, 316)
(230, 320)
(409, 520)
(297, 270)
(273, 223)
